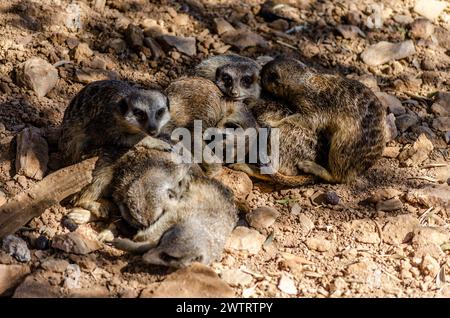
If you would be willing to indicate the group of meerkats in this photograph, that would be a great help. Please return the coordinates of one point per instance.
(330, 128)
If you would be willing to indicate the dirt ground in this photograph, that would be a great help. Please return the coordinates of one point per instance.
(388, 234)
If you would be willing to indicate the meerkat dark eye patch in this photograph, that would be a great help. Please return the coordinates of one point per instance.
(123, 106)
(139, 114)
(273, 77)
(168, 258)
(232, 125)
(247, 81)
(160, 112)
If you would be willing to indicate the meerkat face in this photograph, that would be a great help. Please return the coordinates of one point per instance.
(238, 81)
(180, 246)
(279, 75)
(147, 111)
(152, 194)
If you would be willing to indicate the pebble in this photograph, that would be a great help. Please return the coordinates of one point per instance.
(42, 242)
(16, 247)
(399, 229)
(118, 46)
(134, 36)
(72, 276)
(294, 263)
(422, 28)
(430, 9)
(391, 152)
(392, 103)
(82, 52)
(391, 128)
(87, 75)
(430, 196)
(332, 198)
(32, 153)
(37, 74)
(363, 270)
(418, 152)
(236, 277)
(405, 121)
(155, 48)
(35, 286)
(442, 124)
(245, 239)
(239, 182)
(242, 39)
(365, 232)
(262, 217)
(389, 205)
(349, 31)
(55, 265)
(223, 26)
(440, 110)
(429, 266)
(318, 244)
(287, 285)
(186, 45)
(306, 224)
(383, 52)
(75, 243)
(69, 224)
(11, 276)
(296, 209)
(196, 281)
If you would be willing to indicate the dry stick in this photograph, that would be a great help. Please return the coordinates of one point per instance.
(49, 191)
(426, 178)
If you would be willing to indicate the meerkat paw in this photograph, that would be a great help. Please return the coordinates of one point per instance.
(128, 245)
(154, 143)
(80, 216)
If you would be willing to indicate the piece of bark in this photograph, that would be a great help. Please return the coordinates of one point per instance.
(49, 191)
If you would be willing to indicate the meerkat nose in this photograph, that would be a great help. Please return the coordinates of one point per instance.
(152, 129)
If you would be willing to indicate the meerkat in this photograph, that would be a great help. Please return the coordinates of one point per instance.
(109, 117)
(197, 98)
(195, 230)
(345, 111)
(111, 113)
(236, 76)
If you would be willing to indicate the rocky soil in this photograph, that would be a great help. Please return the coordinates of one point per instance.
(387, 235)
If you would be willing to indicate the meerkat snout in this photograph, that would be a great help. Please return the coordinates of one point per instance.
(147, 111)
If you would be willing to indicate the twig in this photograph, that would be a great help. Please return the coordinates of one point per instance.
(434, 165)
(430, 179)
(286, 44)
(424, 215)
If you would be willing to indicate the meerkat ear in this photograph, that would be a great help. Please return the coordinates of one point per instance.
(123, 106)
(218, 72)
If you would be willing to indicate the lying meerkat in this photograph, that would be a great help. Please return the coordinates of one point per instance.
(236, 76)
(197, 98)
(195, 230)
(109, 117)
(345, 111)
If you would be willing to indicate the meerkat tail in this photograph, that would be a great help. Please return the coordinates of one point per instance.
(292, 181)
(315, 169)
(130, 246)
(251, 172)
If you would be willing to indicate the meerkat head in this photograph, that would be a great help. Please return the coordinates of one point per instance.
(153, 193)
(278, 76)
(181, 245)
(238, 81)
(147, 111)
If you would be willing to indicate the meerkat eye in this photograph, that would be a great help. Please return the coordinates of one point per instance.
(139, 114)
(231, 125)
(123, 106)
(172, 194)
(160, 112)
(226, 78)
(247, 81)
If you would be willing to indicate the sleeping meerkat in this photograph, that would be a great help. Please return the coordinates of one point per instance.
(194, 230)
(345, 111)
(236, 76)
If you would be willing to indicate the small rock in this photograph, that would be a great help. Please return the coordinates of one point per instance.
(415, 154)
(422, 129)
(349, 31)
(289, 10)
(430, 196)
(354, 17)
(35, 286)
(196, 281)
(262, 217)
(383, 52)
(365, 232)
(442, 173)
(134, 36)
(87, 75)
(399, 229)
(429, 266)
(222, 26)
(296, 209)
(186, 45)
(69, 224)
(82, 52)
(236, 277)
(42, 242)
(32, 153)
(405, 121)
(425, 235)
(242, 39)
(55, 265)
(318, 244)
(72, 277)
(239, 182)
(155, 48)
(38, 75)
(16, 247)
(443, 37)
(245, 239)
(389, 205)
(403, 19)
(391, 128)
(430, 9)
(305, 223)
(443, 98)
(279, 24)
(11, 276)
(294, 263)
(440, 110)
(370, 81)
(332, 198)
(391, 152)
(363, 270)
(75, 243)
(287, 285)
(422, 28)
(392, 103)
(442, 124)
(384, 194)
(118, 46)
